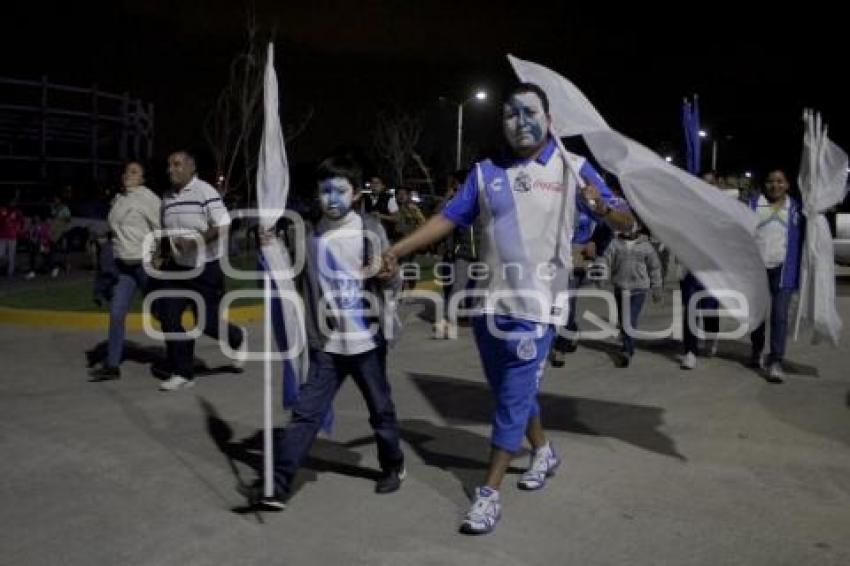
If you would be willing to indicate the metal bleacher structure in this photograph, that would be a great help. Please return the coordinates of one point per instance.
(53, 133)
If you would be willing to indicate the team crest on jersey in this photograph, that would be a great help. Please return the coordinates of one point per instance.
(526, 349)
(522, 183)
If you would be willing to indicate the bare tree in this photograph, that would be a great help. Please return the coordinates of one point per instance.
(233, 128)
(426, 171)
(394, 139)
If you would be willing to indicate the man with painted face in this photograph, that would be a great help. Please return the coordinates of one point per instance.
(342, 339)
(521, 198)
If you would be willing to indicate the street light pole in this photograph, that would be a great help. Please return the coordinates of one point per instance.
(459, 133)
(480, 96)
(714, 154)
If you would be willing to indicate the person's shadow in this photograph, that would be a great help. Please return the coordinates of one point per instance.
(325, 455)
(462, 401)
(154, 356)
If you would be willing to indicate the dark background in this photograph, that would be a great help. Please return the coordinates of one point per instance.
(754, 68)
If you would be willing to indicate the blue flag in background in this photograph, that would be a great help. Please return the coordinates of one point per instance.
(691, 128)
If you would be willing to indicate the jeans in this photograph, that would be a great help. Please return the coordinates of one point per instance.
(779, 302)
(561, 341)
(636, 298)
(131, 277)
(8, 250)
(327, 372)
(710, 324)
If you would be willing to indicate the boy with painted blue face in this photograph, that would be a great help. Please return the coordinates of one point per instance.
(343, 338)
(521, 198)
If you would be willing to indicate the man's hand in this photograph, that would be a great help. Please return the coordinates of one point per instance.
(657, 295)
(185, 244)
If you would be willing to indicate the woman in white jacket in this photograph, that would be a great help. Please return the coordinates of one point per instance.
(135, 212)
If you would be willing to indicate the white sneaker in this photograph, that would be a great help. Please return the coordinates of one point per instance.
(440, 330)
(54, 273)
(689, 361)
(176, 382)
(775, 373)
(242, 351)
(484, 513)
(543, 464)
(30, 275)
(715, 345)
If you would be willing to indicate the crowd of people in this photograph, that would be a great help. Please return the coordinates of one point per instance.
(44, 235)
(507, 213)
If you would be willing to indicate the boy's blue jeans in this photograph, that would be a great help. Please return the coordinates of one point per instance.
(327, 372)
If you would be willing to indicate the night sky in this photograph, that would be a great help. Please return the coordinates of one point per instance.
(754, 71)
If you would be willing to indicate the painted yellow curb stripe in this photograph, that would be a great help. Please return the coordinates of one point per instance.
(100, 320)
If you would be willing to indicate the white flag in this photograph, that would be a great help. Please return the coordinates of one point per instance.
(272, 192)
(711, 234)
(823, 184)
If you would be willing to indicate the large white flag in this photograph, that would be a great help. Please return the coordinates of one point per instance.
(282, 308)
(711, 234)
(823, 184)
(272, 192)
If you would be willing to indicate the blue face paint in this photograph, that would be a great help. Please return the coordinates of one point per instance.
(525, 122)
(336, 195)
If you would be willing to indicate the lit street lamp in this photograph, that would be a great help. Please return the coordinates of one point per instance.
(479, 96)
(714, 142)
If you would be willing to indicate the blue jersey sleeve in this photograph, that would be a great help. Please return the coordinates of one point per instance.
(463, 208)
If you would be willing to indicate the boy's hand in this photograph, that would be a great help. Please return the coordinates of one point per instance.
(657, 295)
(389, 266)
(267, 237)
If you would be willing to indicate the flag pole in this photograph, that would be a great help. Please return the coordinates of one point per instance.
(268, 456)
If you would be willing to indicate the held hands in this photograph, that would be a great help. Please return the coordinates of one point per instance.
(591, 195)
(389, 266)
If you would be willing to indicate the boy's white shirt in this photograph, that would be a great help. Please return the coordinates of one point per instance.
(344, 239)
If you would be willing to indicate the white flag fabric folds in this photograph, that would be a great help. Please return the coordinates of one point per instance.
(823, 184)
(272, 192)
(711, 234)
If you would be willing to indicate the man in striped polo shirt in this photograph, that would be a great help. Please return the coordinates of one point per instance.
(198, 220)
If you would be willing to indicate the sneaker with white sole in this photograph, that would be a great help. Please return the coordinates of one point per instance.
(775, 373)
(484, 513)
(176, 382)
(689, 361)
(257, 499)
(543, 464)
(390, 479)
